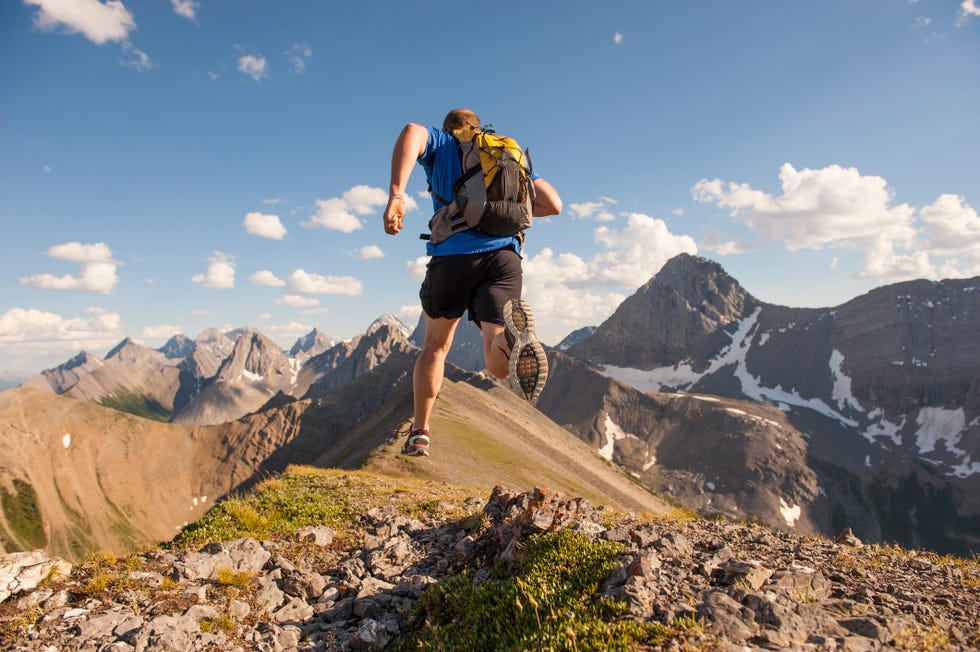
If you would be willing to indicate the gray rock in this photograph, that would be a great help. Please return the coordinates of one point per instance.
(23, 571)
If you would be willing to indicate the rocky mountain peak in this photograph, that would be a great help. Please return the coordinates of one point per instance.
(178, 346)
(391, 320)
(672, 317)
(313, 343)
(254, 356)
(215, 341)
(129, 351)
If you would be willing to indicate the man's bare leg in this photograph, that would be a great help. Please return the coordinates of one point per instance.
(430, 367)
(496, 352)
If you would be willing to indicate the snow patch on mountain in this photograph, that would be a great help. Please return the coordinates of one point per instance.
(842, 383)
(682, 376)
(939, 424)
(790, 514)
(613, 434)
(882, 427)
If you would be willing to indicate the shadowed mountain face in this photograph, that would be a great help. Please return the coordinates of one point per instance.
(885, 388)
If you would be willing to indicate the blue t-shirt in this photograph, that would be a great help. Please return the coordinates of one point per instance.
(442, 166)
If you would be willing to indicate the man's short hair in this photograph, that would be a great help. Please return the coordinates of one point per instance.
(459, 118)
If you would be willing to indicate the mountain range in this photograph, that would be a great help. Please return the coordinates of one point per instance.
(866, 416)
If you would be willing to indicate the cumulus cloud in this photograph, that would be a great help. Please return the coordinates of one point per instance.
(968, 10)
(416, 268)
(28, 333)
(253, 66)
(410, 314)
(97, 21)
(600, 210)
(297, 301)
(97, 274)
(569, 291)
(370, 252)
(265, 226)
(836, 207)
(952, 228)
(341, 213)
(829, 207)
(220, 274)
(290, 330)
(185, 8)
(303, 282)
(714, 241)
(267, 278)
(161, 332)
(637, 252)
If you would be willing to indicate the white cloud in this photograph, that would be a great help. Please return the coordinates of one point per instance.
(303, 282)
(837, 207)
(713, 241)
(830, 207)
(134, 58)
(415, 269)
(272, 201)
(266, 226)
(370, 252)
(410, 314)
(637, 252)
(161, 332)
(298, 55)
(597, 209)
(267, 278)
(968, 9)
(220, 274)
(340, 213)
(567, 291)
(186, 8)
(617, 38)
(98, 269)
(297, 301)
(952, 228)
(290, 330)
(97, 21)
(253, 66)
(30, 333)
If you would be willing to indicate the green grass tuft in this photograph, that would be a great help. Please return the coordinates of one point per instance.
(547, 603)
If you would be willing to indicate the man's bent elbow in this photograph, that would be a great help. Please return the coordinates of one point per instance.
(547, 201)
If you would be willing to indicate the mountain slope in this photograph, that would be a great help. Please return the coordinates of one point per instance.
(740, 458)
(76, 476)
(884, 388)
(95, 478)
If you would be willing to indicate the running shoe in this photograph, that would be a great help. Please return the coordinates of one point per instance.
(417, 442)
(528, 362)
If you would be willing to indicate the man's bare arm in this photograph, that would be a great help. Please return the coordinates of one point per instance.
(547, 201)
(408, 148)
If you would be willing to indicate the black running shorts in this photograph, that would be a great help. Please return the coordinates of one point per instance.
(481, 283)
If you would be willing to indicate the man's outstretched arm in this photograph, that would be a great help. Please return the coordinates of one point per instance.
(547, 201)
(408, 148)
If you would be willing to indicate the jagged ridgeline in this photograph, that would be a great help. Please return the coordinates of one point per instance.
(866, 416)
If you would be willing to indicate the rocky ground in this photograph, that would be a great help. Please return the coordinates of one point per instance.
(714, 585)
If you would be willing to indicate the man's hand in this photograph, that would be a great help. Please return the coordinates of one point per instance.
(394, 214)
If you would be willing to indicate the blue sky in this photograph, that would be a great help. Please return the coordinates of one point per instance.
(168, 166)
